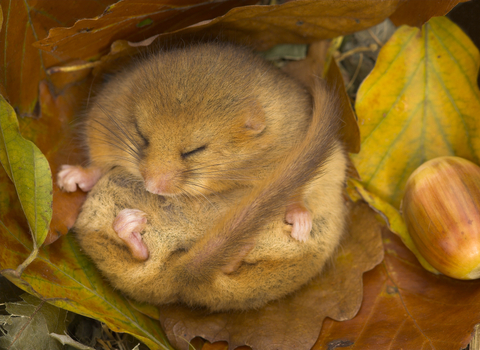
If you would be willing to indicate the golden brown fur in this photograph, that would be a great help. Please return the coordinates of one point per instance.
(216, 131)
(180, 100)
(276, 266)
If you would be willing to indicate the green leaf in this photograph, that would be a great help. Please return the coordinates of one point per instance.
(286, 52)
(29, 170)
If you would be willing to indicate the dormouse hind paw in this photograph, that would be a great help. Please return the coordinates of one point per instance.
(70, 176)
(128, 224)
(301, 220)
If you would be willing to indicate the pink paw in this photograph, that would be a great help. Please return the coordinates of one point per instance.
(70, 176)
(128, 224)
(301, 219)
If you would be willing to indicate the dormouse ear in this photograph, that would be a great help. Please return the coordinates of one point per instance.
(255, 118)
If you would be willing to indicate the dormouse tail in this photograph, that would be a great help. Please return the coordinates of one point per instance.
(223, 248)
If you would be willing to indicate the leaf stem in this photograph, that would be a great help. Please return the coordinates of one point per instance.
(23, 266)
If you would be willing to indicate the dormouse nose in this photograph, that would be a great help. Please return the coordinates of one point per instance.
(161, 183)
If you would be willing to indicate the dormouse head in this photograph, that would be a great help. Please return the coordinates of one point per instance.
(196, 120)
(196, 151)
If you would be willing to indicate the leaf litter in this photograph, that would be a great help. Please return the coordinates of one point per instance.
(372, 279)
(29, 324)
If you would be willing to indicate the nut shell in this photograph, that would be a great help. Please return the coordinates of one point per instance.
(441, 208)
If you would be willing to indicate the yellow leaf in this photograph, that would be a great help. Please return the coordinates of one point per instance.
(29, 170)
(421, 101)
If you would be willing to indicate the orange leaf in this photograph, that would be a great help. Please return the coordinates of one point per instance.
(23, 65)
(407, 307)
(299, 22)
(131, 20)
(302, 21)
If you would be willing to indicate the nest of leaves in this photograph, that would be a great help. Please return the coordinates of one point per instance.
(413, 86)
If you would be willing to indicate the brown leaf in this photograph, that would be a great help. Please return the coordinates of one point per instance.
(415, 13)
(313, 64)
(262, 27)
(57, 113)
(300, 22)
(24, 23)
(406, 307)
(131, 20)
(293, 322)
(320, 62)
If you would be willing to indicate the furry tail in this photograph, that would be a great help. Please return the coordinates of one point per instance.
(224, 247)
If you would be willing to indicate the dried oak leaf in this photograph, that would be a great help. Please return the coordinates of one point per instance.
(262, 27)
(29, 324)
(293, 322)
(56, 134)
(301, 21)
(25, 22)
(416, 13)
(407, 307)
(131, 20)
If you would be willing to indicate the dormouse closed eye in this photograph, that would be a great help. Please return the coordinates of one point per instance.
(192, 152)
(144, 138)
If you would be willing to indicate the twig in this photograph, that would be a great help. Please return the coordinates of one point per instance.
(375, 38)
(352, 80)
(371, 47)
(73, 68)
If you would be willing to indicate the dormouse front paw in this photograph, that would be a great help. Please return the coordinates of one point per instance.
(70, 176)
(301, 220)
(128, 224)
